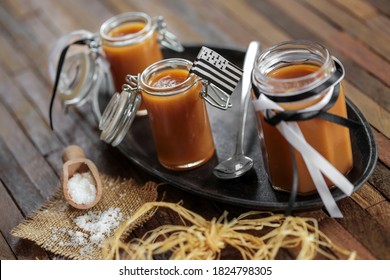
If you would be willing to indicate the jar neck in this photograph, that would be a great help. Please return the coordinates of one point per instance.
(167, 64)
(131, 38)
(287, 54)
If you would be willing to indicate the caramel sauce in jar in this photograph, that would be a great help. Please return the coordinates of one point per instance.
(297, 75)
(329, 139)
(178, 116)
(130, 45)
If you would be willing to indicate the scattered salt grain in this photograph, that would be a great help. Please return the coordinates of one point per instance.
(92, 229)
(100, 224)
(78, 238)
(81, 188)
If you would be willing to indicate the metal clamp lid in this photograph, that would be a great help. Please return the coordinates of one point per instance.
(166, 38)
(214, 96)
(120, 112)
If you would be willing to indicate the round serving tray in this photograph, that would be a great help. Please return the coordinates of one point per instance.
(252, 190)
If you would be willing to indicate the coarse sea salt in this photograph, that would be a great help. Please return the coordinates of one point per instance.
(81, 188)
(92, 229)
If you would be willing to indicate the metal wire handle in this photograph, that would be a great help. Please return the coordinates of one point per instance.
(166, 38)
(219, 99)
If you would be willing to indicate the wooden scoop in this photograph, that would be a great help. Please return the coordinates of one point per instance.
(75, 162)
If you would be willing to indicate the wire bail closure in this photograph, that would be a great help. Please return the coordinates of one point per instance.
(166, 38)
(132, 83)
(218, 99)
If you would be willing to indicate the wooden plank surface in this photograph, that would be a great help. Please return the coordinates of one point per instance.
(353, 26)
(369, 232)
(355, 31)
(5, 251)
(11, 216)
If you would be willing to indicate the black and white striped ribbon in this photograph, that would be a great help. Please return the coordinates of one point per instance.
(216, 69)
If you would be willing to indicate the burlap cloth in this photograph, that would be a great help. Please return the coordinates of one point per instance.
(49, 226)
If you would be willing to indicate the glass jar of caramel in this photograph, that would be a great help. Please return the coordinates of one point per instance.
(176, 110)
(299, 82)
(126, 44)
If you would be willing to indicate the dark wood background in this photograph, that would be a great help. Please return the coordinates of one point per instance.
(355, 31)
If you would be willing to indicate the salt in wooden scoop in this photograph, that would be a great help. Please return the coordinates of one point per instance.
(75, 162)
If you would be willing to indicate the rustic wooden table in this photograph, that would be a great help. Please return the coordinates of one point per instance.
(355, 31)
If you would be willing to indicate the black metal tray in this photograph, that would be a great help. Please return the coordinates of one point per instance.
(252, 190)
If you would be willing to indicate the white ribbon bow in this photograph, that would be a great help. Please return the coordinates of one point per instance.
(316, 164)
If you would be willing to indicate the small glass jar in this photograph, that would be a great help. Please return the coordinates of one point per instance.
(131, 43)
(176, 110)
(126, 44)
(290, 74)
(177, 114)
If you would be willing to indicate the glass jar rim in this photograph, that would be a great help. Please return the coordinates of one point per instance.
(169, 63)
(131, 38)
(326, 65)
